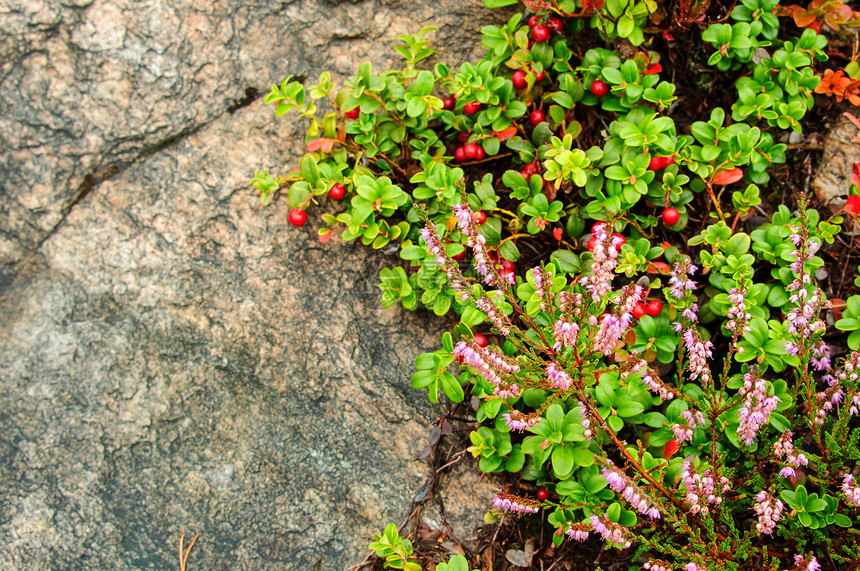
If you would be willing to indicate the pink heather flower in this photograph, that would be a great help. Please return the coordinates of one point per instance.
(519, 421)
(629, 491)
(543, 286)
(784, 447)
(702, 490)
(557, 377)
(851, 490)
(599, 283)
(514, 504)
(684, 432)
(613, 478)
(755, 412)
(698, 358)
(565, 333)
(494, 314)
(769, 510)
(614, 325)
(509, 391)
(463, 213)
(657, 565)
(488, 361)
(655, 385)
(577, 531)
(820, 358)
(586, 423)
(434, 244)
(679, 281)
(855, 405)
(738, 317)
(693, 567)
(471, 355)
(611, 532)
(811, 563)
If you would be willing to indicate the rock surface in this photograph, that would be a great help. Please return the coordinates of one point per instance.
(173, 357)
(833, 177)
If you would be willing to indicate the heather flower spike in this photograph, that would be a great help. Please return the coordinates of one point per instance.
(769, 511)
(757, 407)
(599, 283)
(514, 504)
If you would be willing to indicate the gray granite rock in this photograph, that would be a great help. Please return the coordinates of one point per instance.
(833, 177)
(87, 87)
(174, 358)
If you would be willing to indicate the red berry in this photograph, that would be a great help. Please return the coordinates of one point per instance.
(297, 217)
(508, 265)
(599, 88)
(668, 160)
(460, 155)
(480, 154)
(591, 242)
(555, 24)
(460, 257)
(654, 307)
(481, 340)
(463, 137)
(480, 217)
(471, 151)
(537, 117)
(542, 494)
(472, 107)
(534, 21)
(530, 169)
(519, 79)
(352, 113)
(619, 240)
(337, 192)
(640, 311)
(448, 103)
(540, 33)
(655, 164)
(671, 216)
(539, 76)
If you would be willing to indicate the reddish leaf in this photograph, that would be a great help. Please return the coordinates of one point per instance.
(853, 205)
(670, 448)
(658, 268)
(855, 174)
(322, 144)
(656, 68)
(325, 235)
(505, 134)
(556, 233)
(589, 5)
(728, 176)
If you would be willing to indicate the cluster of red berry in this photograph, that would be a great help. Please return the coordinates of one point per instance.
(541, 31)
(652, 308)
(617, 239)
(659, 163)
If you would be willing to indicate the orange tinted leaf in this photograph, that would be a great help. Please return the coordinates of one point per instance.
(325, 235)
(852, 206)
(728, 176)
(321, 144)
(505, 134)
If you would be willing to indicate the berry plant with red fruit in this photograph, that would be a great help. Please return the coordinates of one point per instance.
(646, 329)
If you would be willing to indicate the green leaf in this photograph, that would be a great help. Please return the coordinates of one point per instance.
(562, 461)
(630, 408)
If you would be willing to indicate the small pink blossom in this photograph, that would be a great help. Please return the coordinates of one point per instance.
(769, 510)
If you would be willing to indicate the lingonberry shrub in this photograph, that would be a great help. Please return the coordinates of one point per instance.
(670, 376)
